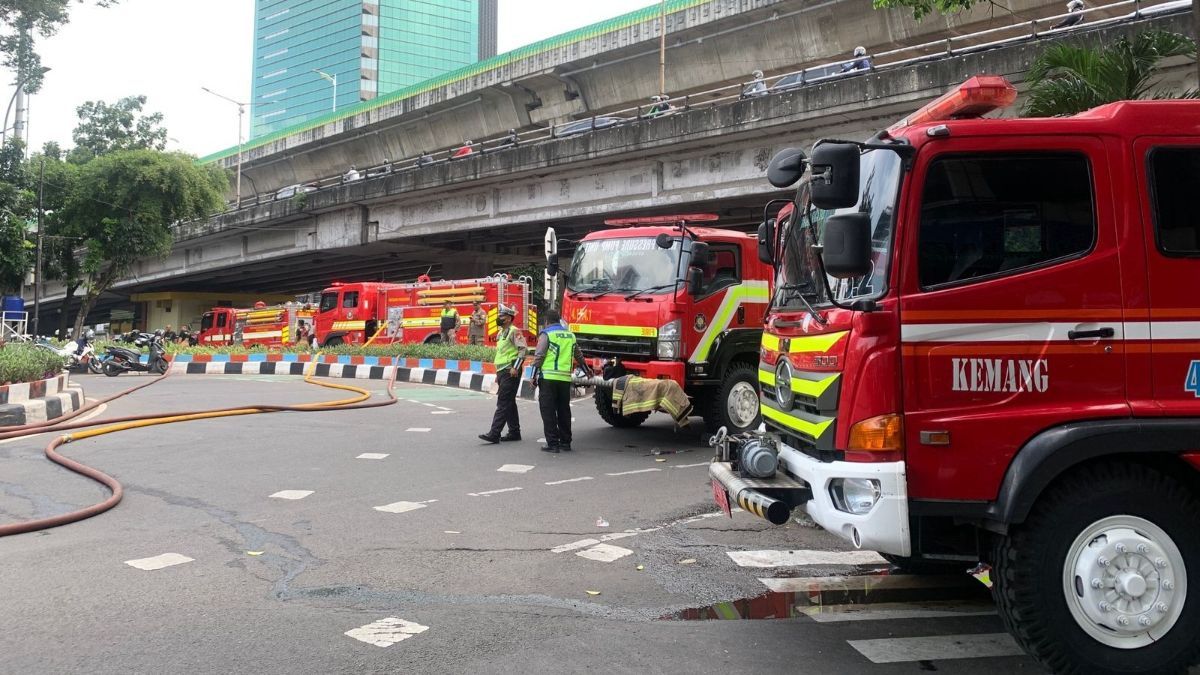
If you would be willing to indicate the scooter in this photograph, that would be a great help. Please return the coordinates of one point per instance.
(75, 358)
(121, 360)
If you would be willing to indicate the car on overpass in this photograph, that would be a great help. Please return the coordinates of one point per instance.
(589, 124)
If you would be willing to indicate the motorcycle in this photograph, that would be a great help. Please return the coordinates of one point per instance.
(77, 356)
(121, 359)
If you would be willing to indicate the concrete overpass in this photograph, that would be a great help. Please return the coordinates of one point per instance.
(489, 211)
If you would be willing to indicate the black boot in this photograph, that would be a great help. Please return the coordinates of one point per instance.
(488, 438)
(511, 436)
(549, 448)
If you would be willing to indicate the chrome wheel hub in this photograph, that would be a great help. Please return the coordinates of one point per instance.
(742, 405)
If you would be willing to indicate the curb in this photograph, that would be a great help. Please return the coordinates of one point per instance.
(473, 379)
(33, 402)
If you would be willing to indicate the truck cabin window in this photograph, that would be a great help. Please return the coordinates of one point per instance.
(350, 299)
(328, 302)
(986, 216)
(623, 265)
(1174, 184)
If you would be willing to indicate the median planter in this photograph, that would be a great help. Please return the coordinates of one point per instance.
(474, 375)
(38, 401)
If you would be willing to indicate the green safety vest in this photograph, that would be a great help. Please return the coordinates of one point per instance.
(506, 349)
(560, 356)
(449, 318)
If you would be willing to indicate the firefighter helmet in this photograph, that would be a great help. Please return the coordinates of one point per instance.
(504, 309)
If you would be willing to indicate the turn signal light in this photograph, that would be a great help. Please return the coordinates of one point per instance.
(876, 439)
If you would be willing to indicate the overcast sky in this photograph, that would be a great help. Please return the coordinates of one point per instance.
(168, 49)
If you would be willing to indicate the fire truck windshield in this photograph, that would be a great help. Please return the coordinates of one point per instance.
(328, 302)
(623, 265)
(797, 271)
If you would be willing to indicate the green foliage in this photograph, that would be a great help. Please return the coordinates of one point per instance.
(105, 129)
(412, 351)
(1070, 78)
(16, 254)
(16, 213)
(21, 362)
(922, 8)
(22, 21)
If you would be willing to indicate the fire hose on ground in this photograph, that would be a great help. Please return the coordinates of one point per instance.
(113, 425)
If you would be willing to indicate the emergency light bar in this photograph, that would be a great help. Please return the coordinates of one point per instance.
(976, 97)
(663, 220)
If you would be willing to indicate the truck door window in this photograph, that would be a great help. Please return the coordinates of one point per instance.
(993, 215)
(206, 322)
(724, 269)
(349, 299)
(328, 302)
(221, 319)
(1174, 184)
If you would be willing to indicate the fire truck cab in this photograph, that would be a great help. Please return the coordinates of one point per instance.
(983, 346)
(664, 299)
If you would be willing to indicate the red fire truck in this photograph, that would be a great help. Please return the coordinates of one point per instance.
(661, 298)
(993, 355)
(275, 326)
(351, 313)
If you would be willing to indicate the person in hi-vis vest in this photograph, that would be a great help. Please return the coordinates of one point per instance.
(553, 363)
(449, 323)
(510, 359)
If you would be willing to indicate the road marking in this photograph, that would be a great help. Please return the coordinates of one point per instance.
(896, 611)
(570, 480)
(938, 648)
(291, 494)
(429, 405)
(419, 430)
(516, 468)
(871, 583)
(159, 561)
(386, 632)
(584, 543)
(404, 507)
(373, 455)
(442, 412)
(604, 553)
(795, 558)
(689, 466)
(628, 473)
(493, 492)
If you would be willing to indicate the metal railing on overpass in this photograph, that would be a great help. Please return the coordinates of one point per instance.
(1019, 31)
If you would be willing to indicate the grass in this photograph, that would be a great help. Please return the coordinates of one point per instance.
(20, 362)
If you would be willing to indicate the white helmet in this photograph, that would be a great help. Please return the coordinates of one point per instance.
(862, 51)
(504, 309)
(1075, 6)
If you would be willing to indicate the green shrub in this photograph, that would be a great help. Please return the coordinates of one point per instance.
(26, 363)
(412, 351)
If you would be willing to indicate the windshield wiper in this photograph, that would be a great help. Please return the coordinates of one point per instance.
(652, 289)
(797, 290)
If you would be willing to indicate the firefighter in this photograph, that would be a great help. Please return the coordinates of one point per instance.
(553, 362)
(477, 330)
(449, 325)
(510, 359)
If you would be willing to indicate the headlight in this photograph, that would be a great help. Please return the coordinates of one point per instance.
(668, 340)
(854, 495)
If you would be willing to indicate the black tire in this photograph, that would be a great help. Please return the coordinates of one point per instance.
(1029, 569)
(334, 342)
(716, 408)
(434, 339)
(604, 406)
(160, 367)
(919, 565)
(112, 370)
(95, 366)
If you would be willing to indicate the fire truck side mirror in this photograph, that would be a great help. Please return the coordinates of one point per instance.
(835, 175)
(552, 264)
(766, 237)
(700, 255)
(786, 167)
(695, 281)
(664, 240)
(846, 246)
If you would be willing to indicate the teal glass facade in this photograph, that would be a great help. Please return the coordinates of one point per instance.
(372, 47)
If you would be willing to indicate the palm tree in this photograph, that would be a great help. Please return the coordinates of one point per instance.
(1070, 78)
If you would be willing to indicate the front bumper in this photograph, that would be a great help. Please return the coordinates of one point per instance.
(805, 481)
(651, 370)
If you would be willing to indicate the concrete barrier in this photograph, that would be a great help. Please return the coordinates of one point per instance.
(32, 402)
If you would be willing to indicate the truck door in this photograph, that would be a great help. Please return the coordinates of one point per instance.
(1011, 305)
(1169, 177)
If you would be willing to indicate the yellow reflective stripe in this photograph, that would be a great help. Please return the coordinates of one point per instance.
(747, 292)
(623, 331)
(349, 325)
(812, 388)
(812, 429)
(804, 344)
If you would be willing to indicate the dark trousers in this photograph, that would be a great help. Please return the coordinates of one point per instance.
(554, 399)
(506, 403)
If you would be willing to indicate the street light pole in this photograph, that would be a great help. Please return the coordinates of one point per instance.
(332, 79)
(20, 85)
(662, 48)
(241, 114)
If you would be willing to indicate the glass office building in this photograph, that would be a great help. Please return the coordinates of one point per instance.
(313, 57)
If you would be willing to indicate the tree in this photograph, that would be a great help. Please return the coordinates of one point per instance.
(105, 128)
(15, 205)
(22, 20)
(125, 203)
(62, 239)
(1069, 78)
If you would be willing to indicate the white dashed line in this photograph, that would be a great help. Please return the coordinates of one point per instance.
(604, 553)
(429, 405)
(570, 480)
(291, 494)
(442, 412)
(689, 466)
(386, 632)
(159, 561)
(938, 648)
(516, 468)
(629, 473)
(796, 558)
(404, 507)
(584, 543)
(373, 455)
(493, 492)
(419, 430)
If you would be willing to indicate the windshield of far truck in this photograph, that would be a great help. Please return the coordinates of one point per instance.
(328, 301)
(797, 270)
(206, 322)
(623, 265)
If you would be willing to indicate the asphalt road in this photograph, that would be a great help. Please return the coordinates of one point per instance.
(481, 559)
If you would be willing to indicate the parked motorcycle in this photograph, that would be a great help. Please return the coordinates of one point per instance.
(78, 355)
(121, 359)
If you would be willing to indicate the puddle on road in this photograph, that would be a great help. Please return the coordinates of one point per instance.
(792, 597)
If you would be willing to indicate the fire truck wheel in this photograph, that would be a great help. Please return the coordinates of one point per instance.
(604, 406)
(333, 342)
(1095, 581)
(734, 404)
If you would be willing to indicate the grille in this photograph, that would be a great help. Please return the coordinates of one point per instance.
(611, 345)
